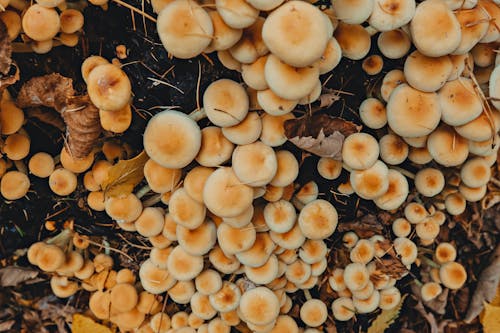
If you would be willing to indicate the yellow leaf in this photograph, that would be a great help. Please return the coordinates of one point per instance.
(490, 318)
(83, 324)
(386, 318)
(496, 300)
(124, 176)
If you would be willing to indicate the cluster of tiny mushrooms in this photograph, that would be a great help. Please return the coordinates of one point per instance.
(238, 236)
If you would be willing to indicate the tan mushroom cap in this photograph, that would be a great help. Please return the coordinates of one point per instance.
(367, 305)
(159, 323)
(161, 179)
(343, 309)
(434, 28)
(472, 194)
(247, 131)
(128, 320)
(371, 183)
(352, 12)
(353, 39)
(318, 219)
(329, 168)
(288, 82)
(273, 129)
(396, 193)
(233, 240)
(401, 227)
(99, 304)
(237, 13)
(483, 55)
(363, 252)
(226, 298)
(215, 148)
(179, 320)
(228, 61)
(208, 282)
(389, 298)
(182, 265)
(391, 14)
(150, 222)
(459, 101)
(447, 147)
(391, 80)
(185, 28)
(14, 185)
(491, 7)
(109, 88)
(313, 251)
(254, 156)
(288, 169)
(415, 212)
(458, 62)
(427, 230)
(124, 297)
(253, 74)
(481, 128)
(427, 74)
(475, 172)
(194, 182)
(197, 241)
(50, 258)
(259, 306)
(11, 117)
(445, 252)
(356, 276)
(430, 291)
(474, 24)
(224, 36)
(412, 113)
(296, 33)
(406, 249)
(74, 261)
(280, 216)
(117, 121)
(494, 86)
(73, 164)
(360, 151)
(285, 323)
(372, 65)
(372, 113)
(16, 146)
(90, 63)
(33, 251)
(225, 102)
(124, 208)
(393, 149)
(394, 44)
(453, 275)
(40, 23)
(251, 46)
(429, 181)
(241, 220)
(201, 307)
(71, 21)
(290, 240)
(265, 273)
(419, 155)
(258, 254)
(12, 21)
(313, 312)
(62, 182)
(308, 192)
(186, 211)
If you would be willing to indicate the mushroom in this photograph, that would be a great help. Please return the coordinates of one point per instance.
(11, 117)
(372, 113)
(258, 254)
(197, 241)
(75, 165)
(123, 208)
(435, 29)
(472, 194)
(109, 88)
(372, 65)
(263, 274)
(237, 14)
(419, 155)
(160, 322)
(226, 298)
(353, 39)
(296, 33)
(12, 21)
(369, 304)
(452, 275)
(233, 240)
(194, 182)
(16, 146)
(73, 262)
(371, 183)
(123, 297)
(40, 23)
(288, 169)
(225, 103)
(253, 74)
(259, 306)
(215, 149)
(217, 325)
(460, 103)
(290, 240)
(273, 129)
(343, 309)
(413, 113)
(224, 263)
(350, 239)
(150, 222)
(240, 220)
(201, 307)
(493, 13)
(313, 251)
(208, 282)
(182, 265)
(391, 14)
(313, 312)
(393, 149)
(71, 21)
(179, 320)
(356, 276)
(363, 252)
(427, 74)
(394, 44)
(360, 151)
(116, 121)
(62, 182)
(430, 291)
(401, 227)
(161, 179)
(247, 131)
(479, 129)
(406, 250)
(41, 165)
(254, 156)
(474, 24)
(159, 257)
(331, 56)
(185, 28)
(447, 147)
(389, 298)
(228, 61)
(49, 258)
(429, 181)
(318, 219)
(86, 271)
(251, 46)
(445, 252)
(352, 12)
(280, 216)
(390, 81)
(427, 230)
(415, 212)
(129, 320)
(224, 36)
(273, 104)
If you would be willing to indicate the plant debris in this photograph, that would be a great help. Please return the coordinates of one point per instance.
(12, 276)
(125, 175)
(386, 318)
(5, 50)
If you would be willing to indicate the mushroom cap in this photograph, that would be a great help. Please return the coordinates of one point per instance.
(215, 148)
(391, 14)
(73, 262)
(427, 230)
(406, 249)
(474, 24)
(201, 307)
(124, 297)
(224, 36)
(40, 23)
(159, 322)
(273, 129)
(401, 227)
(280, 216)
(254, 156)
(472, 194)
(429, 181)
(227, 298)
(308, 192)
(208, 282)
(331, 56)
(179, 320)
(241, 220)
(391, 80)
(237, 13)
(159, 257)
(11, 117)
(285, 323)
(228, 61)
(288, 82)
(71, 20)
(445, 252)
(425, 73)
(481, 128)
(415, 212)
(185, 28)
(225, 102)
(288, 169)
(50, 258)
(356, 276)
(413, 113)
(475, 172)
(336, 280)
(197, 241)
(33, 251)
(224, 194)
(452, 275)
(360, 151)
(434, 28)
(258, 254)
(62, 182)
(353, 39)
(290, 240)
(14, 185)
(367, 305)
(12, 21)
(233, 240)
(393, 149)
(455, 203)
(394, 44)
(247, 131)
(350, 239)
(372, 113)
(251, 46)
(259, 306)
(16, 146)
(352, 12)
(313, 312)
(265, 5)
(343, 309)
(161, 179)
(148, 303)
(155, 280)
(494, 86)
(318, 219)
(124, 208)
(447, 147)
(90, 63)
(389, 298)
(313, 251)
(296, 33)
(75, 165)
(109, 88)
(99, 304)
(253, 74)
(459, 101)
(194, 182)
(150, 222)
(491, 7)
(371, 183)
(86, 271)
(430, 291)
(182, 265)
(172, 139)
(224, 263)
(363, 252)
(419, 155)
(329, 168)
(265, 273)
(273, 104)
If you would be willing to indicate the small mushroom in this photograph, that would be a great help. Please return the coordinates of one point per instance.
(452, 275)
(109, 88)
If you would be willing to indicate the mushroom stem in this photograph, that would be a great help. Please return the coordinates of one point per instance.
(429, 262)
(307, 294)
(21, 167)
(61, 239)
(405, 172)
(198, 114)
(57, 159)
(78, 5)
(142, 191)
(418, 283)
(152, 201)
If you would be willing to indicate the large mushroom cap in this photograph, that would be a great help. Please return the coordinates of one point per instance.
(185, 28)
(352, 11)
(109, 88)
(226, 103)
(434, 28)
(394, 44)
(459, 101)
(427, 73)
(172, 139)
(296, 33)
(412, 113)
(391, 14)
(474, 24)
(447, 147)
(40, 23)
(259, 306)
(354, 40)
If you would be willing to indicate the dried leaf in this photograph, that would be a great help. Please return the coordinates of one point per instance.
(320, 134)
(5, 49)
(125, 175)
(50, 90)
(83, 324)
(386, 318)
(12, 276)
(491, 318)
(486, 287)
(496, 300)
(7, 325)
(46, 116)
(431, 320)
(392, 267)
(365, 227)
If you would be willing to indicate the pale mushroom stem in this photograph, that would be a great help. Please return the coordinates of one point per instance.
(142, 191)
(198, 114)
(405, 172)
(61, 239)
(152, 201)
(429, 262)
(307, 294)
(21, 167)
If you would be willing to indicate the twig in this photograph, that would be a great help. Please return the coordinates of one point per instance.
(138, 11)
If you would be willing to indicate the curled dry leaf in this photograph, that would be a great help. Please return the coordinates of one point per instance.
(386, 318)
(12, 276)
(320, 134)
(125, 175)
(48, 117)
(81, 117)
(486, 287)
(5, 49)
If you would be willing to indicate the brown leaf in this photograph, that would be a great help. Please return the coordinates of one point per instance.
(392, 267)
(7, 325)
(12, 276)
(486, 286)
(320, 134)
(386, 318)
(431, 320)
(5, 49)
(365, 227)
(50, 90)
(46, 116)
(125, 175)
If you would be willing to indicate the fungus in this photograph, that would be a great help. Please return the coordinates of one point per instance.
(401, 227)
(363, 252)
(150, 222)
(124, 208)
(40, 23)
(371, 183)
(246, 132)
(406, 250)
(372, 113)
(273, 104)
(356, 276)
(198, 241)
(12, 22)
(259, 306)
(427, 230)
(389, 298)
(452, 275)
(16, 146)
(353, 39)
(331, 57)
(394, 44)
(429, 181)
(343, 309)
(225, 103)
(393, 149)
(224, 36)
(313, 312)
(447, 147)
(109, 88)
(254, 156)
(390, 82)
(373, 64)
(459, 102)
(226, 298)
(318, 219)
(73, 164)
(350, 239)
(50, 258)
(123, 297)
(265, 273)
(445, 252)
(430, 291)
(427, 74)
